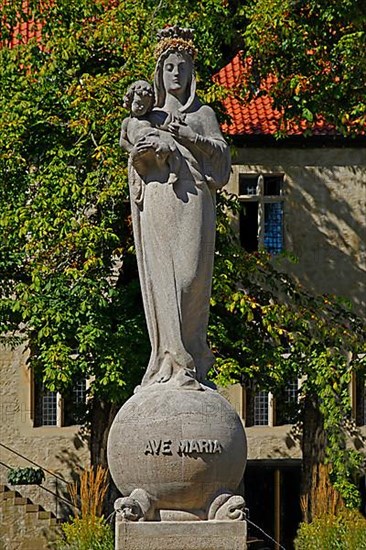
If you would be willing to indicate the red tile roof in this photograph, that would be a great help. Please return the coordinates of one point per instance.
(23, 32)
(257, 116)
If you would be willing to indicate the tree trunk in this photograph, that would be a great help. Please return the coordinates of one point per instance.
(318, 496)
(102, 416)
(313, 446)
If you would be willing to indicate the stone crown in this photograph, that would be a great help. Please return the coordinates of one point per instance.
(177, 39)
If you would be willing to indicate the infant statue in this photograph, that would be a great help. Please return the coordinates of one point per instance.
(136, 128)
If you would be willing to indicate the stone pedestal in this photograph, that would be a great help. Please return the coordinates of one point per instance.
(183, 535)
(177, 458)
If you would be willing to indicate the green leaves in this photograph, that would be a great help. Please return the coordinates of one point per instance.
(26, 476)
(346, 530)
(67, 267)
(321, 46)
(68, 272)
(62, 201)
(266, 330)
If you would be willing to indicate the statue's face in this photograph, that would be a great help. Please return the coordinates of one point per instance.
(141, 104)
(176, 73)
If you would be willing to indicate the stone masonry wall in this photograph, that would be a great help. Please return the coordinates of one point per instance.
(23, 525)
(324, 212)
(61, 450)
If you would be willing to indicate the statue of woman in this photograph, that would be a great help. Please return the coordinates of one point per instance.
(174, 224)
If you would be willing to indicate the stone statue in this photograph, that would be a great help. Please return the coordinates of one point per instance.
(176, 455)
(139, 99)
(174, 225)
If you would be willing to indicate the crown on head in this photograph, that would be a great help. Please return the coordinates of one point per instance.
(175, 38)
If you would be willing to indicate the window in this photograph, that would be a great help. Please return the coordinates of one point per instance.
(287, 404)
(52, 409)
(261, 216)
(261, 408)
(46, 406)
(74, 404)
(265, 409)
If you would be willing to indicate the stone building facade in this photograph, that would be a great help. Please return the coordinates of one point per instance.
(62, 450)
(305, 196)
(323, 217)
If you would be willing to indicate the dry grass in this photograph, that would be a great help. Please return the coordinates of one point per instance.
(89, 493)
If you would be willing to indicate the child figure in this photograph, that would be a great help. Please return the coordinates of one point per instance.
(139, 99)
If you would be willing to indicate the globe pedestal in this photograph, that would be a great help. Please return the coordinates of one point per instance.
(178, 457)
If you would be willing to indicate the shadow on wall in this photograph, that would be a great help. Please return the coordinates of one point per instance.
(325, 229)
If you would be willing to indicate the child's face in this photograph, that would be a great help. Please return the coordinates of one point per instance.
(141, 104)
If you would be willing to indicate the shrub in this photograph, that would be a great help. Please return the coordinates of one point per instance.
(26, 476)
(344, 531)
(88, 495)
(88, 530)
(87, 533)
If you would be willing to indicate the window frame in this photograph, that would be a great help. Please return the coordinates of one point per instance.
(250, 403)
(262, 199)
(37, 402)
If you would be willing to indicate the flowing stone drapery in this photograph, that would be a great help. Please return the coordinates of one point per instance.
(174, 231)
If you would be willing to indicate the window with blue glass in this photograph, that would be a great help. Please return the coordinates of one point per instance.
(261, 217)
(273, 227)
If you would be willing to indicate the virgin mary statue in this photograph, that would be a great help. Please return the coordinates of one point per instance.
(174, 218)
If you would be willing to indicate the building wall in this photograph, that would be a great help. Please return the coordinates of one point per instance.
(61, 450)
(324, 210)
(264, 442)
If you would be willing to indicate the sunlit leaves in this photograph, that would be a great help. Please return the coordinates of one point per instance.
(321, 45)
(266, 330)
(67, 267)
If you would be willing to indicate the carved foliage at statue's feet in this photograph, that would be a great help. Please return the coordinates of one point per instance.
(227, 506)
(137, 507)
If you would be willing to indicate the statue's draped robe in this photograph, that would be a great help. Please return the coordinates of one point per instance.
(174, 231)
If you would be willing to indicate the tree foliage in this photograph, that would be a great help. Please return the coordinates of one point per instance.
(67, 267)
(64, 216)
(315, 49)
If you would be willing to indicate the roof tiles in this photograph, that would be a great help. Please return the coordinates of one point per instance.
(257, 116)
(23, 32)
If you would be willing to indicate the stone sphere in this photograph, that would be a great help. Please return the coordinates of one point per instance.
(181, 446)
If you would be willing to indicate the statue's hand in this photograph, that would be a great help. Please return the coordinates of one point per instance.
(152, 142)
(150, 151)
(179, 128)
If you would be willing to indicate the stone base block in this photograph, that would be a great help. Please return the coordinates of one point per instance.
(183, 535)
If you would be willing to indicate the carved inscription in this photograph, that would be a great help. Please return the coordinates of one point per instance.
(182, 447)
(210, 446)
(158, 447)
